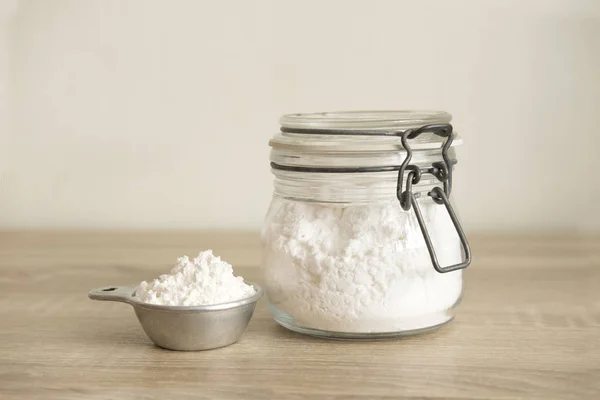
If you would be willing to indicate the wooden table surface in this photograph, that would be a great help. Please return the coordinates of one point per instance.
(528, 327)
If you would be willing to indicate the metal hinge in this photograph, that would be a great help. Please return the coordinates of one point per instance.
(442, 170)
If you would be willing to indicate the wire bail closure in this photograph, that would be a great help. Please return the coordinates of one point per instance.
(442, 170)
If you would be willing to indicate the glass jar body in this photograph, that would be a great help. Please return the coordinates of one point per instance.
(341, 258)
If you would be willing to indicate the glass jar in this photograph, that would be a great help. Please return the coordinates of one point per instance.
(361, 239)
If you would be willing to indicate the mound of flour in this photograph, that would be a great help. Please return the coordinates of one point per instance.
(204, 280)
(359, 268)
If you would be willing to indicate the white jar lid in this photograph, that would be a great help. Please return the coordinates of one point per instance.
(364, 120)
(354, 138)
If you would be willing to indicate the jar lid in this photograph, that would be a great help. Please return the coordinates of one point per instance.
(364, 131)
(355, 138)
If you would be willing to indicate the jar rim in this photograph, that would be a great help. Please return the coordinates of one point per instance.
(294, 136)
(358, 142)
(383, 120)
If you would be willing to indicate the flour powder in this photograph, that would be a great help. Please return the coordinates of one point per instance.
(204, 280)
(362, 268)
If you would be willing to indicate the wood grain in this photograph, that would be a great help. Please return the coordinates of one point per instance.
(528, 327)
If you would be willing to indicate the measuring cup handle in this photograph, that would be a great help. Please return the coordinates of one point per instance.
(123, 294)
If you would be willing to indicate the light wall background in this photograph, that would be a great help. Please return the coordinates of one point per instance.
(157, 114)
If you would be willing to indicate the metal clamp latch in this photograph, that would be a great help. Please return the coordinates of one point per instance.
(442, 170)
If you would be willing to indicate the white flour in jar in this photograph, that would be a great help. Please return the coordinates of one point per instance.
(204, 280)
(359, 268)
